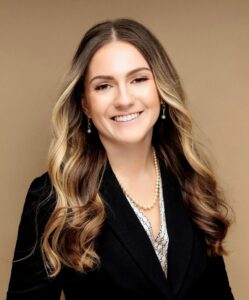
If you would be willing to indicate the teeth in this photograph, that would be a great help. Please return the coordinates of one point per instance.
(126, 118)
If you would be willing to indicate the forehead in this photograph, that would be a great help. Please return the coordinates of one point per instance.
(116, 57)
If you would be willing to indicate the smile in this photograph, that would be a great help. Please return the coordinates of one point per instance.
(126, 118)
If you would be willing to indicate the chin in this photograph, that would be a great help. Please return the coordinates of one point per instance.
(130, 141)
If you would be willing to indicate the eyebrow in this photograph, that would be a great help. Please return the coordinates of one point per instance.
(128, 74)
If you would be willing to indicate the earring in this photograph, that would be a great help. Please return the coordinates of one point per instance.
(163, 116)
(89, 126)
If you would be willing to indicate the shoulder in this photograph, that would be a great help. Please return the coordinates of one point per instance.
(40, 192)
(28, 275)
(40, 196)
(38, 205)
(41, 185)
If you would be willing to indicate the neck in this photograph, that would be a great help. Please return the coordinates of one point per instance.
(130, 161)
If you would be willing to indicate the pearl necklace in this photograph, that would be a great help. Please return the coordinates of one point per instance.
(156, 190)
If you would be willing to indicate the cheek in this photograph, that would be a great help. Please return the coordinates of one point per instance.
(98, 109)
(96, 106)
(101, 101)
(155, 102)
(148, 93)
(153, 98)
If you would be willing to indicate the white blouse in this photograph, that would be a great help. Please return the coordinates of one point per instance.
(160, 243)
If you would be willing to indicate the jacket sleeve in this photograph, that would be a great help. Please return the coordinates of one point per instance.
(214, 283)
(28, 279)
(218, 275)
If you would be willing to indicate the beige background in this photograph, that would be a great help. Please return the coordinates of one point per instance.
(208, 42)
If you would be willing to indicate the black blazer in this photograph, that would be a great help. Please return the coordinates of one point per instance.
(129, 266)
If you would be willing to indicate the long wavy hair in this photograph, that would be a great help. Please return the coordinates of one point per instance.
(76, 160)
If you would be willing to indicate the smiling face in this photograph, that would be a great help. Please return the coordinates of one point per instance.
(121, 96)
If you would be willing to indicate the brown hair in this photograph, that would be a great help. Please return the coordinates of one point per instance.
(76, 159)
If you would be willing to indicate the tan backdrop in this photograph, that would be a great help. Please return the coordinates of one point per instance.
(207, 41)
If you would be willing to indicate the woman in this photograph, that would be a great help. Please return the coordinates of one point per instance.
(129, 206)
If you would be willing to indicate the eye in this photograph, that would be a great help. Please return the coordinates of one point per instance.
(140, 79)
(102, 87)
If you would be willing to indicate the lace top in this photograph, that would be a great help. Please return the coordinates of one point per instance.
(160, 243)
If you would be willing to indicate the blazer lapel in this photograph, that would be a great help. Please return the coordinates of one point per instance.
(180, 231)
(127, 227)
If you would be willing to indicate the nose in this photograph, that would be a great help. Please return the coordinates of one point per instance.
(124, 97)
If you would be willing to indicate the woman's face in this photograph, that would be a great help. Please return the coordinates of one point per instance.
(121, 96)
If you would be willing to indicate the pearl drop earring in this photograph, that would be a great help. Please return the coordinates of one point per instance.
(89, 126)
(163, 116)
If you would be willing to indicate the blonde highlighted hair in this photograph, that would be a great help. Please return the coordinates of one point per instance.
(76, 160)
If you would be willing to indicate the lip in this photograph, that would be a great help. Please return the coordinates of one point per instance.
(127, 114)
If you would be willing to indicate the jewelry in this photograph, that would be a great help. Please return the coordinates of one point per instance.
(89, 126)
(163, 116)
(156, 190)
